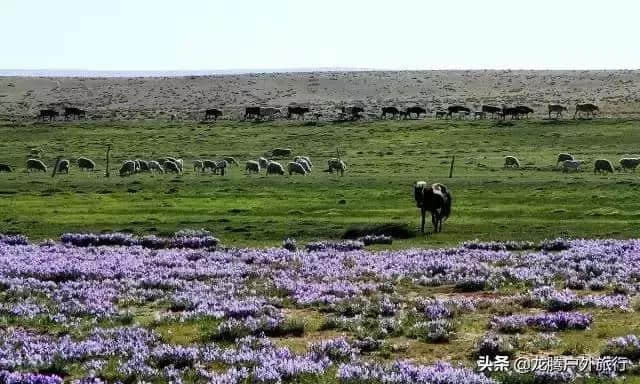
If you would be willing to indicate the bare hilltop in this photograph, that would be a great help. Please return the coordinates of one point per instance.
(616, 92)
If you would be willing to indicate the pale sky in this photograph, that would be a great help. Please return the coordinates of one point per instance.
(267, 34)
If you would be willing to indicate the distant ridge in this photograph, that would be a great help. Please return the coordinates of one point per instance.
(151, 73)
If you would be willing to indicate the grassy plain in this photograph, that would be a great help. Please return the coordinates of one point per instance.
(384, 158)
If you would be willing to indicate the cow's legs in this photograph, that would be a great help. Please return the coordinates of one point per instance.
(422, 211)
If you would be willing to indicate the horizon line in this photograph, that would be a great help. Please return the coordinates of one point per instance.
(71, 72)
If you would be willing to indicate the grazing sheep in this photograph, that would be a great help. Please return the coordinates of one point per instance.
(63, 166)
(629, 163)
(128, 168)
(35, 153)
(562, 157)
(198, 166)
(294, 167)
(143, 166)
(337, 165)
(602, 166)
(281, 152)
(85, 164)
(571, 165)
(180, 164)
(511, 162)
(304, 164)
(221, 167)
(155, 166)
(274, 168)
(232, 161)
(305, 158)
(171, 167)
(208, 165)
(252, 166)
(36, 165)
(5, 168)
(263, 162)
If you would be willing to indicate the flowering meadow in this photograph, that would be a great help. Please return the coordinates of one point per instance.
(114, 308)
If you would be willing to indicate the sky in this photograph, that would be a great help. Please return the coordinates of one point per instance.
(281, 34)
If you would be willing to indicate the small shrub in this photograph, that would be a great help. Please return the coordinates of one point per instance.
(626, 346)
(437, 331)
(492, 345)
(290, 244)
(471, 284)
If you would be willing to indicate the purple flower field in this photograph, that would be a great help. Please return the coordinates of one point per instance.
(115, 308)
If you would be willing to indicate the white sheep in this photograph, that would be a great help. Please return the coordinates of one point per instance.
(511, 162)
(571, 165)
(274, 168)
(232, 161)
(155, 166)
(305, 158)
(208, 165)
(198, 166)
(143, 166)
(629, 163)
(263, 162)
(337, 165)
(63, 166)
(304, 164)
(171, 167)
(252, 166)
(84, 163)
(294, 167)
(221, 167)
(602, 166)
(36, 165)
(308, 159)
(128, 168)
(562, 157)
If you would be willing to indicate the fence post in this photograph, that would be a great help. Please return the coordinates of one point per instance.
(453, 159)
(107, 173)
(55, 168)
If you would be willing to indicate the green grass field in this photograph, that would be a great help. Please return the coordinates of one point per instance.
(384, 159)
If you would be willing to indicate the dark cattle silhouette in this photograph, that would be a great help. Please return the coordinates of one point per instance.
(589, 109)
(557, 109)
(269, 112)
(393, 111)
(434, 198)
(352, 112)
(441, 114)
(509, 111)
(48, 113)
(457, 109)
(298, 111)
(72, 112)
(213, 112)
(491, 109)
(252, 112)
(417, 110)
(523, 110)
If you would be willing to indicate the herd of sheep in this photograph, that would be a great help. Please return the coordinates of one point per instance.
(567, 163)
(300, 165)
